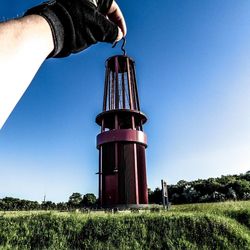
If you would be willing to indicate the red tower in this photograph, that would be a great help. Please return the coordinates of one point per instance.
(122, 142)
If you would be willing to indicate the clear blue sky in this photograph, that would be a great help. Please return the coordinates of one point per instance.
(193, 70)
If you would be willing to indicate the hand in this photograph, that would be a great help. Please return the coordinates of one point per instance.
(77, 24)
(116, 16)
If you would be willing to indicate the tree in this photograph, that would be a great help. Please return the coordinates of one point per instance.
(182, 183)
(75, 200)
(150, 196)
(48, 205)
(241, 187)
(217, 196)
(231, 194)
(63, 206)
(205, 198)
(190, 194)
(175, 198)
(89, 200)
(156, 196)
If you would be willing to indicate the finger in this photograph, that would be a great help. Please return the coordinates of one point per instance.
(103, 5)
(120, 35)
(116, 16)
(105, 30)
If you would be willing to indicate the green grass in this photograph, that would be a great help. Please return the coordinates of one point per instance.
(240, 211)
(196, 226)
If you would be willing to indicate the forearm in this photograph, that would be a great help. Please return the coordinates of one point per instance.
(24, 45)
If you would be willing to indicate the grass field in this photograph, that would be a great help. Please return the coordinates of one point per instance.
(196, 226)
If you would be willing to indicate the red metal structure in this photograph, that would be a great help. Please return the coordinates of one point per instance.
(122, 142)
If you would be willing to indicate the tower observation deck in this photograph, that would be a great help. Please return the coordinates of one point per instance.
(122, 142)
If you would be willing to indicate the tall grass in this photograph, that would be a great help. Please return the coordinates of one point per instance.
(199, 226)
(240, 211)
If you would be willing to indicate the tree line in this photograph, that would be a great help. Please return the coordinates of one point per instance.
(229, 187)
(76, 201)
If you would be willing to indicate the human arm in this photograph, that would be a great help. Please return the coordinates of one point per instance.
(24, 44)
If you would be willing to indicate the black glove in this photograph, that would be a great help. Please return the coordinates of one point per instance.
(76, 24)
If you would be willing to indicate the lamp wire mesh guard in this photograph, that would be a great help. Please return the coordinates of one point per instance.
(120, 90)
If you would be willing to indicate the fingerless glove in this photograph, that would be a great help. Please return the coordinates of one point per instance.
(76, 24)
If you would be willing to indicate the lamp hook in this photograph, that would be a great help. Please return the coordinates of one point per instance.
(123, 45)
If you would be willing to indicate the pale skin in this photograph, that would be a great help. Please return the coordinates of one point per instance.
(24, 45)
